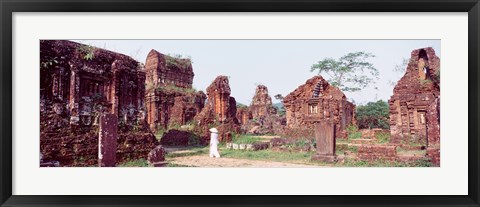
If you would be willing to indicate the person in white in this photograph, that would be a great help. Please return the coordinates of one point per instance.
(214, 143)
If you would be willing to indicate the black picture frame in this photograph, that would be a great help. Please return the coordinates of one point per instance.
(7, 7)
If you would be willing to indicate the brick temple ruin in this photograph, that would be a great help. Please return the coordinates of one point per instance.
(220, 109)
(261, 116)
(261, 106)
(415, 103)
(170, 98)
(315, 101)
(83, 87)
(79, 83)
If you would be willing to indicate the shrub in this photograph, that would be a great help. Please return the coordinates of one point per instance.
(383, 137)
(353, 132)
(373, 115)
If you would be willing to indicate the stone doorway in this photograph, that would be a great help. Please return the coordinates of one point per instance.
(421, 132)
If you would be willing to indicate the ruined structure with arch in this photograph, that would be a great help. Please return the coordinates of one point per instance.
(415, 103)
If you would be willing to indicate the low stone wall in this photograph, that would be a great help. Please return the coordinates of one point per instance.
(132, 146)
(255, 146)
(377, 152)
(289, 144)
(82, 150)
(300, 132)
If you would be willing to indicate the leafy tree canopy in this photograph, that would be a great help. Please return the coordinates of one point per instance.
(373, 115)
(352, 72)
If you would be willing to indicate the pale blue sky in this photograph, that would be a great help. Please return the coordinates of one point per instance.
(281, 65)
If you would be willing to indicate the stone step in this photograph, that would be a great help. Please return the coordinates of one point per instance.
(362, 141)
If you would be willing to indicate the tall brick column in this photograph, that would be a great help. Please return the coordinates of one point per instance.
(107, 140)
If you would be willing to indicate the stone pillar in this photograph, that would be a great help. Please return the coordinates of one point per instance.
(107, 141)
(115, 89)
(74, 97)
(325, 138)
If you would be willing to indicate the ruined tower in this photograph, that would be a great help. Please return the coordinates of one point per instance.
(170, 98)
(261, 103)
(415, 103)
(220, 110)
(166, 70)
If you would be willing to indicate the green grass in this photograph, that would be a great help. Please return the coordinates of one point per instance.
(177, 165)
(191, 152)
(246, 139)
(383, 163)
(268, 155)
(159, 133)
(409, 140)
(383, 137)
(341, 150)
(285, 157)
(353, 132)
(134, 163)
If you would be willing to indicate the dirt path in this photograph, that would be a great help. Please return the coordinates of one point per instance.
(205, 161)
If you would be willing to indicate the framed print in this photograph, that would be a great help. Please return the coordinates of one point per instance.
(188, 103)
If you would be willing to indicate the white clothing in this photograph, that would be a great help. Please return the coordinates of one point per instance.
(214, 145)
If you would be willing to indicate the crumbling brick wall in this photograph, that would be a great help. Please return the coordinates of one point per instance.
(377, 152)
(415, 103)
(243, 114)
(261, 106)
(220, 110)
(261, 116)
(81, 82)
(78, 83)
(166, 70)
(170, 98)
(81, 149)
(317, 100)
(170, 108)
(433, 154)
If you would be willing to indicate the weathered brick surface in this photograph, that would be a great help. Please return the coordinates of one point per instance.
(220, 111)
(81, 82)
(377, 152)
(170, 98)
(82, 149)
(434, 155)
(261, 106)
(318, 100)
(156, 155)
(415, 103)
(166, 70)
(107, 140)
(277, 142)
(261, 116)
(260, 145)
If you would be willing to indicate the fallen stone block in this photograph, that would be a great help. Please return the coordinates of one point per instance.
(157, 155)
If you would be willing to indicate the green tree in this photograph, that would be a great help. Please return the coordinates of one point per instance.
(279, 106)
(352, 72)
(373, 115)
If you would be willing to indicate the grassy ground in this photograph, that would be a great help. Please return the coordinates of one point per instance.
(383, 163)
(246, 139)
(286, 157)
(134, 163)
(269, 155)
(290, 157)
